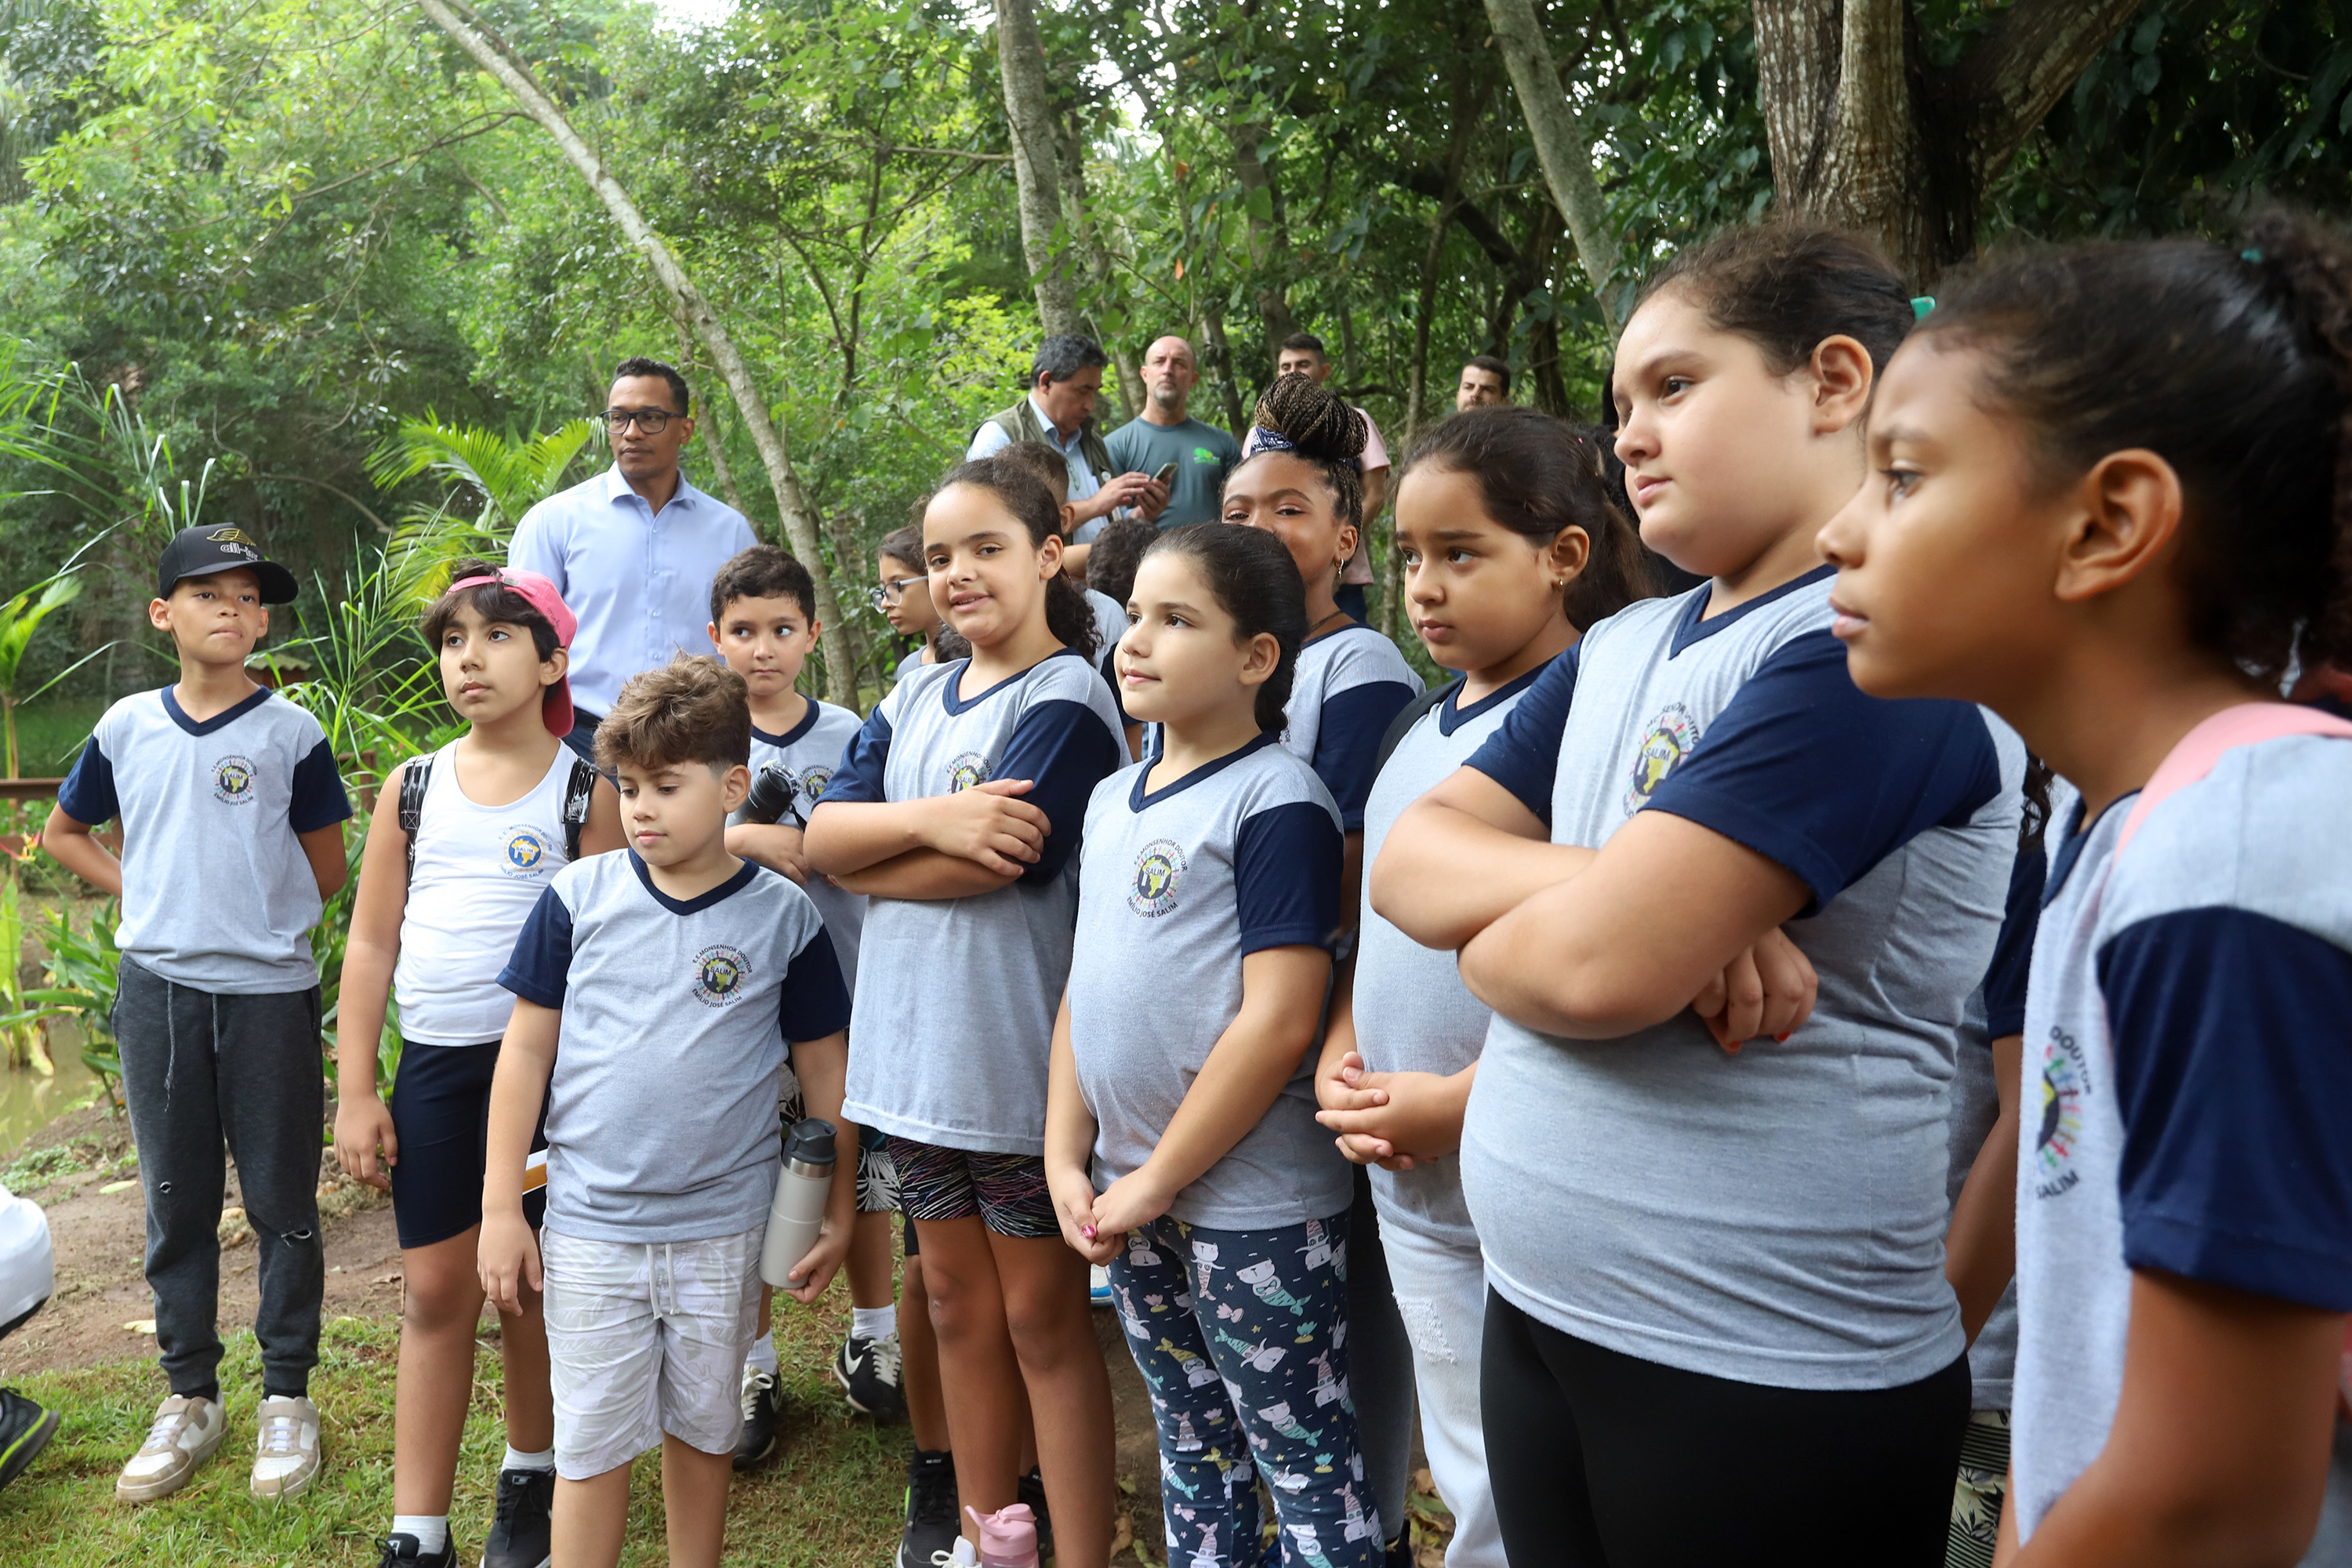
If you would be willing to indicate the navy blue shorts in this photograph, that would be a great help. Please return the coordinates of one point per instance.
(441, 1112)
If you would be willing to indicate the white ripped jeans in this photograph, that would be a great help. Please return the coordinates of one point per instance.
(1441, 1292)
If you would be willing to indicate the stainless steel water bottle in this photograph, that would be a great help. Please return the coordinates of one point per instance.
(798, 1213)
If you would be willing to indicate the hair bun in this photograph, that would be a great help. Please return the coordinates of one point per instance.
(1313, 419)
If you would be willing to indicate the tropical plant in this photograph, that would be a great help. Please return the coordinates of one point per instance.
(20, 617)
(511, 474)
(84, 965)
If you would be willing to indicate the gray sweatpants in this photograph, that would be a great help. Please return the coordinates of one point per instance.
(198, 1068)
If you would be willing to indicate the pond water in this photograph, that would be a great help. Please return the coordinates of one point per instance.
(29, 1101)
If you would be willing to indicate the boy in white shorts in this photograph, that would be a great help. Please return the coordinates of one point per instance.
(671, 976)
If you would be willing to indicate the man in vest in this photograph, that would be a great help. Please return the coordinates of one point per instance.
(1064, 380)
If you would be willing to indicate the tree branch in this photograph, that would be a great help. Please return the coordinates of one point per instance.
(2017, 72)
(1563, 145)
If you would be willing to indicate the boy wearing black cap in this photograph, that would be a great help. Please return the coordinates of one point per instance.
(232, 818)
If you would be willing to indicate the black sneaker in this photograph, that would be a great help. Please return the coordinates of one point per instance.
(520, 1535)
(762, 1404)
(932, 1521)
(867, 1370)
(401, 1551)
(25, 1430)
(1031, 1490)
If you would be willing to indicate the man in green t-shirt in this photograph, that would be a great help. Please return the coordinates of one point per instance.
(1165, 434)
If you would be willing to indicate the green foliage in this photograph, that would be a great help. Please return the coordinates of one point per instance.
(84, 968)
(509, 474)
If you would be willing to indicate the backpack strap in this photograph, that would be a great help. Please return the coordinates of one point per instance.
(1407, 717)
(2199, 750)
(578, 791)
(413, 780)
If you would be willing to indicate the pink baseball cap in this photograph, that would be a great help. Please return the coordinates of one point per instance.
(540, 594)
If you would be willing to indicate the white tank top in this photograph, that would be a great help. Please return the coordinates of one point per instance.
(479, 869)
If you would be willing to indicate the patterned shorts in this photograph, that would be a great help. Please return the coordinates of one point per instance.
(1005, 1191)
(644, 1338)
(877, 1178)
(1977, 1494)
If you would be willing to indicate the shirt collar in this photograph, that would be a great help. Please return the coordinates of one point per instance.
(1046, 423)
(616, 487)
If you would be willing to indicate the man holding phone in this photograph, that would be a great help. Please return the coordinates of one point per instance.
(1192, 458)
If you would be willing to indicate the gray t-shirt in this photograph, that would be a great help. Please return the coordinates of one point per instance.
(1181, 884)
(216, 893)
(1351, 682)
(1975, 1106)
(808, 753)
(1776, 1217)
(1203, 456)
(661, 1110)
(954, 1025)
(1413, 1012)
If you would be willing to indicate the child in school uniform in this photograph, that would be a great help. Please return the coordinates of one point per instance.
(763, 622)
(1186, 1156)
(656, 992)
(1510, 543)
(461, 845)
(1718, 1323)
(232, 816)
(959, 810)
(1111, 571)
(2132, 456)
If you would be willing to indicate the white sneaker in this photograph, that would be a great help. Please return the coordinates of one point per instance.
(186, 1432)
(286, 1459)
(1099, 1285)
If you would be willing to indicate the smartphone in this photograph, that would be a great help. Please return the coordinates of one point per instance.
(1167, 474)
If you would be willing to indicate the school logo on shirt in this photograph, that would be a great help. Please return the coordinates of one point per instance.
(233, 779)
(523, 850)
(1158, 869)
(2065, 1084)
(721, 974)
(968, 769)
(1668, 741)
(812, 785)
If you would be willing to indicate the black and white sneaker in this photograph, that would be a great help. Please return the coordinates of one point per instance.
(867, 1370)
(522, 1535)
(761, 1406)
(25, 1429)
(403, 1552)
(933, 1524)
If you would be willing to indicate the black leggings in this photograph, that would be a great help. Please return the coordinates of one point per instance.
(1603, 1460)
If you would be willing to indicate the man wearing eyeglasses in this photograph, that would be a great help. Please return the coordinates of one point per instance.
(632, 551)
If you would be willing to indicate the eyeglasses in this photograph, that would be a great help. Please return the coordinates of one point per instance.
(890, 591)
(649, 421)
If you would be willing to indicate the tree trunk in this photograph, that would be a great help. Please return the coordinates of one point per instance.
(1269, 239)
(1124, 379)
(1221, 356)
(791, 501)
(1868, 134)
(1021, 65)
(1563, 146)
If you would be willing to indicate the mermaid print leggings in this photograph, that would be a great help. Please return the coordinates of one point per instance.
(1241, 1336)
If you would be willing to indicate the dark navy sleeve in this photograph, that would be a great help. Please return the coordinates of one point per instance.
(1065, 748)
(2012, 952)
(815, 1003)
(1347, 742)
(318, 797)
(1807, 771)
(88, 794)
(1110, 678)
(1286, 878)
(1523, 754)
(541, 968)
(2236, 1094)
(857, 777)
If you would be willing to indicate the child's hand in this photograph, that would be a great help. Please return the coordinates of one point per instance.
(988, 824)
(776, 845)
(508, 1259)
(1344, 1089)
(819, 1264)
(1418, 1116)
(361, 1122)
(1767, 990)
(1074, 1205)
(1132, 1202)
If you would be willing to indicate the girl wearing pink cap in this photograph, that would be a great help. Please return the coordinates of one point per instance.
(460, 845)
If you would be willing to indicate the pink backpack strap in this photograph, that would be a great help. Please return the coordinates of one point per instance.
(2247, 724)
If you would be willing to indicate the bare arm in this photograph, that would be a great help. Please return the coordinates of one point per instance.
(508, 1252)
(602, 832)
(1376, 494)
(778, 846)
(329, 861)
(1980, 1250)
(2218, 1453)
(362, 1125)
(926, 874)
(72, 846)
(822, 1068)
(1464, 855)
(987, 824)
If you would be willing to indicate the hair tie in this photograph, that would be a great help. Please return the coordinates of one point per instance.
(2252, 253)
(1921, 306)
(1264, 440)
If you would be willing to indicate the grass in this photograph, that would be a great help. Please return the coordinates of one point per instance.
(831, 1496)
(50, 733)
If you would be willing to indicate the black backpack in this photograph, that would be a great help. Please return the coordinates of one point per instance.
(1409, 715)
(577, 792)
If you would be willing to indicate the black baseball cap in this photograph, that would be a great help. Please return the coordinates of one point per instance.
(221, 547)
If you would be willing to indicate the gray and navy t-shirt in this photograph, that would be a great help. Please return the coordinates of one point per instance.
(661, 1113)
(1413, 1012)
(808, 752)
(2188, 1092)
(1350, 683)
(216, 893)
(1776, 1217)
(955, 1023)
(1181, 884)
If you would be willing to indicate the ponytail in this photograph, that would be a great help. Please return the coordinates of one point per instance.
(1020, 492)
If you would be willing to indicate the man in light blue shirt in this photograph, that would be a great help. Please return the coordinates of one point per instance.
(633, 549)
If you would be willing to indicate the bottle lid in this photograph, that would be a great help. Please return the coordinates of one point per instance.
(810, 1142)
